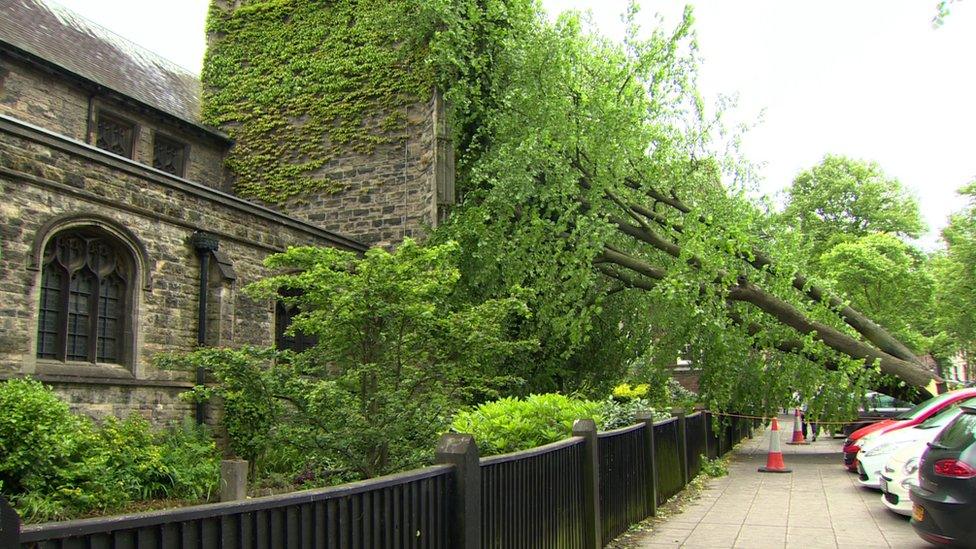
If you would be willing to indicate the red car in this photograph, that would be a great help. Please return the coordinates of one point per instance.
(911, 418)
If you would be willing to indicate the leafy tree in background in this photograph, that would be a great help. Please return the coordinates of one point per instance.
(842, 198)
(887, 279)
(955, 273)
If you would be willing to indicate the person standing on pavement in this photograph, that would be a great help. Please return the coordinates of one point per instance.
(814, 428)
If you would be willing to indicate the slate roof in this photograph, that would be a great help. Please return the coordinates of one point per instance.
(68, 40)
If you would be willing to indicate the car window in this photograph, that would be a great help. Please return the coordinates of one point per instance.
(940, 419)
(877, 401)
(958, 434)
(923, 408)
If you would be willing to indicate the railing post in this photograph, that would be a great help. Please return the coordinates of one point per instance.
(9, 525)
(462, 452)
(586, 428)
(647, 418)
(705, 421)
(682, 442)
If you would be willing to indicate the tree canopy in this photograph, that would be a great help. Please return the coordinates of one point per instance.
(844, 198)
(593, 170)
(955, 273)
(589, 180)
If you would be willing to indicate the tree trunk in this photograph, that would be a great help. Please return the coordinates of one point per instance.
(779, 309)
(782, 311)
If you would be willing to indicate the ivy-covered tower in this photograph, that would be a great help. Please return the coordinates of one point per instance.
(334, 113)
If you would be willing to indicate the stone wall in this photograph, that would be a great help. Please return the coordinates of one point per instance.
(400, 190)
(67, 106)
(48, 182)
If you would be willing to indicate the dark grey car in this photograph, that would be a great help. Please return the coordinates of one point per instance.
(944, 510)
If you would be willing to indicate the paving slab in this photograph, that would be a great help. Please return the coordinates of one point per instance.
(818, 505)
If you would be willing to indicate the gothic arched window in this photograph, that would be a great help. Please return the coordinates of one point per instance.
(84, 299)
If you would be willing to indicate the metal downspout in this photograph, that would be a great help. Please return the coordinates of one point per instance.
(205, 244)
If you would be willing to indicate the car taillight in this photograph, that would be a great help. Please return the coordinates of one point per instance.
(954, 468)
(852, 449)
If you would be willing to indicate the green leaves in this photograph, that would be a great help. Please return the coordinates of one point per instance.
(511, 424)
(58, 465)
(398, 352)
(845, 198)
(298, 84)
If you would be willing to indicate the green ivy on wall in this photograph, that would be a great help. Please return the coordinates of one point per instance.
(297, 83)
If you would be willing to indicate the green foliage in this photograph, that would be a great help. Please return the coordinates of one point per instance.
(511, 424)
(550, 90)
(397, 354)
(36, 432)
(955, 274)
(621, 413)
(886, 279)
(191, 459)
(297, 83)
(558, 130)
(680, 397)
(854, 220)
(717, 467)
(58, 465)
(842, 198)
(625, 391)
(247, 391)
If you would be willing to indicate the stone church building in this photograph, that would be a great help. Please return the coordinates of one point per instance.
(120, 233)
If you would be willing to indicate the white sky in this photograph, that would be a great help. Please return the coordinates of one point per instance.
(869, 79)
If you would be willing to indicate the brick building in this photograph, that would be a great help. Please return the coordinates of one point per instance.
(118, 218)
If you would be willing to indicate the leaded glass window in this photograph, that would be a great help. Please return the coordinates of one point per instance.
(83, 299)
(299, 342)
(115, 135)
(169, 155)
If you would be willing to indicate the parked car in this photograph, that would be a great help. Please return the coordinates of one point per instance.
(899, 475)
(944, 502)
(874, 407)
(878, 447)
(911, 418)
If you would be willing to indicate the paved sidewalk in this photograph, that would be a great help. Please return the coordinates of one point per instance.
(818, 505)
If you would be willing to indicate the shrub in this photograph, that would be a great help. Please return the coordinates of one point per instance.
(512, 424)
(37, 433)
(681, 397)
(398, 352)
(625, 392)
(192, 460)
(617, 413)
(58, 465)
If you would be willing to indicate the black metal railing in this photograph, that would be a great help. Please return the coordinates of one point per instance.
(667, 456)
(623, 479)
(695, 437)
(580, 492)
(404, 510)
(711, 435)
(534, 498)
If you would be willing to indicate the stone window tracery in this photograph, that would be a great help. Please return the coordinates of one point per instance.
(115, 135)
(169, 155)
(83, 301)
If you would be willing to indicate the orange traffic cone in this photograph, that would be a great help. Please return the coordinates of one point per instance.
(797, 430)
(774, 461)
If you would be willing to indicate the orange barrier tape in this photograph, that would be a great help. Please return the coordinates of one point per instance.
(860, 420)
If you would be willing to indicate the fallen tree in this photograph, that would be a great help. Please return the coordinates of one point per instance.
(587, 163)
